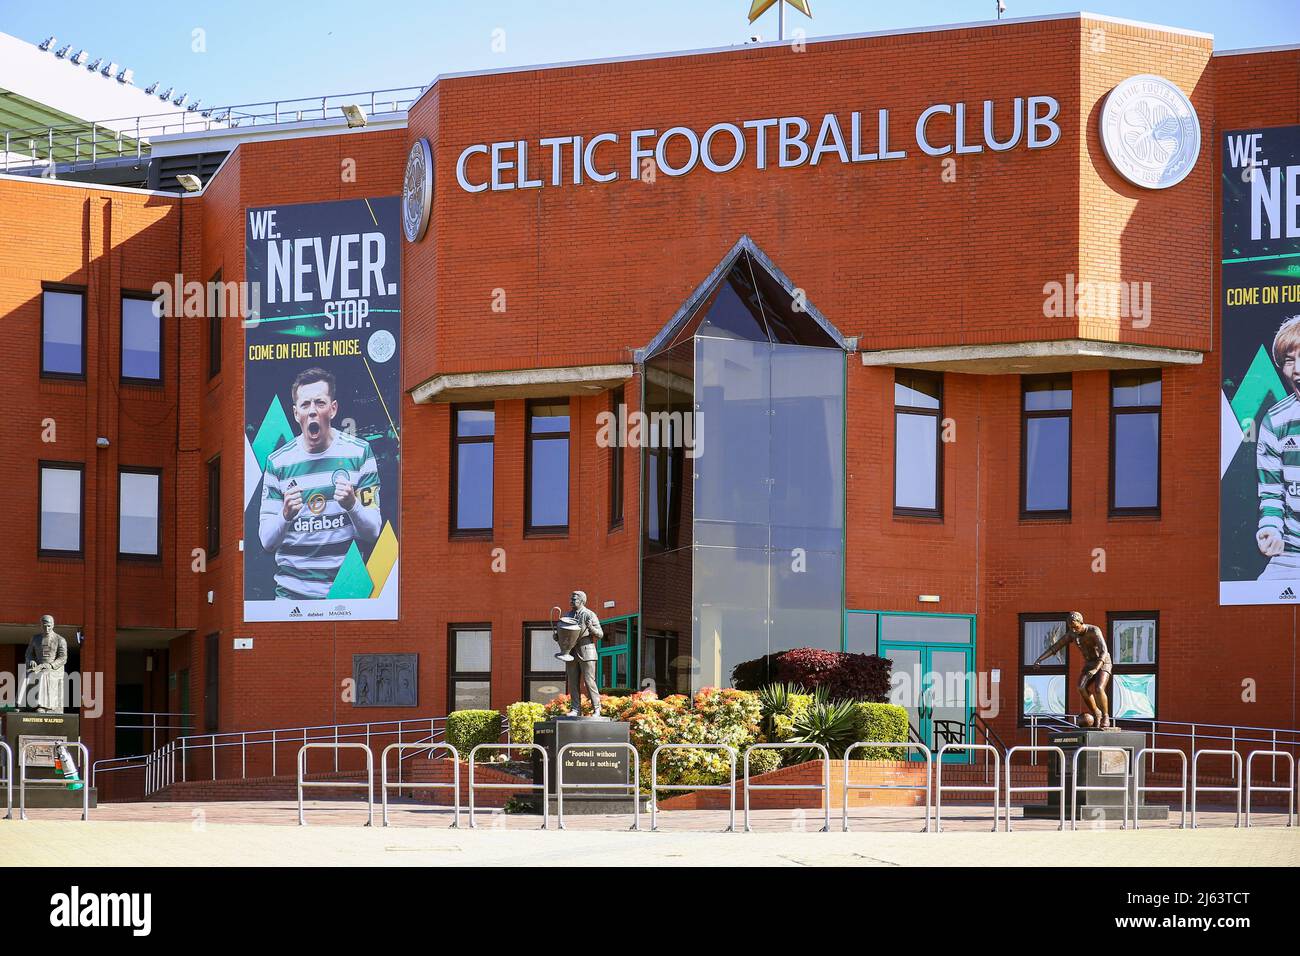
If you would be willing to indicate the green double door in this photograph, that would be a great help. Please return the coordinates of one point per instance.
(936, 690)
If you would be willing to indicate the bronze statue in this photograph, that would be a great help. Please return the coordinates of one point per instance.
(1096, 667)
(581, 656)
(44, 663)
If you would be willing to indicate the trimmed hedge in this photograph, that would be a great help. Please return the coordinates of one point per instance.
(522, 715)
(882, 722)
(466, 729)
(844, 676)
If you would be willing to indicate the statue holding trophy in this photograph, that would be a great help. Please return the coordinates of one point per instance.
(577, 634)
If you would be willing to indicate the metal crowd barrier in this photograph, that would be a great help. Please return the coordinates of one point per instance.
(972, 788)
(1059, 789)
(1289, 789)
(929, 772)
(546, 797)
(454, 786)
(1236, 775)
(825, 786)
(634, 786)
(337, 784)
(656, 786)
(1140, 788)
(1098, 787)
(22, 778)
(9, 781)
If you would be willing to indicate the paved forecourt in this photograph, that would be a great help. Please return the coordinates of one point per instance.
(266, 834)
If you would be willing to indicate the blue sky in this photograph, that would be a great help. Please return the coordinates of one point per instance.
(279, 49)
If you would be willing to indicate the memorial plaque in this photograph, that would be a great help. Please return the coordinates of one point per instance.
(386, 680)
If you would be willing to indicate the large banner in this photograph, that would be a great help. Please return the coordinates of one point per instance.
(322, 446)
(1259, 454)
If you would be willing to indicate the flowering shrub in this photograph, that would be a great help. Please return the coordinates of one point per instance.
(522, 715)
(843, 676)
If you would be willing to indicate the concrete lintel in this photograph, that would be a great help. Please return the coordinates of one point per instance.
(520, 383)
(1015, 358)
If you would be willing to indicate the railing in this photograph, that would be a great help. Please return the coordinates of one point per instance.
(131, 136)
(56, 782)
(194, 758)
(967, 788)
(1088, 788)
(656, 786)
(148, 721)
(304, 783)
(385, 785)
(824, 786)
(929, 772)
(1196, 736)
(9, 780)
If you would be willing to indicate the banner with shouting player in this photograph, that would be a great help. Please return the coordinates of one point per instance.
(322, 435)
(1259, 432)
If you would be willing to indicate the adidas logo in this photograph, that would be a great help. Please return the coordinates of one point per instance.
(1286, 595)
(1290, 442)
(296, 612)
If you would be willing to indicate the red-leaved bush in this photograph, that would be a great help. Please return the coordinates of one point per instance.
(845, 676)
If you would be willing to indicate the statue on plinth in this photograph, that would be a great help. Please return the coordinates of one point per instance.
(1096, 667)
(47, 654)
(577, 634)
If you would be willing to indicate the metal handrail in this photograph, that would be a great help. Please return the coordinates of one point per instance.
(1197, 788)
(131, 136)
(454, 786)
(969, 788)
(1289, 789)
(655, 786)
(337, 784)
(22, 778)
(825, 786)
(634, 786)
(1034, 788)
(546, 797)
(1140, 788)
(9, 780)
(160, 764)
(929, 771)
(1075, 786)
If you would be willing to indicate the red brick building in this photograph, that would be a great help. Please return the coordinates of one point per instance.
(924, 277)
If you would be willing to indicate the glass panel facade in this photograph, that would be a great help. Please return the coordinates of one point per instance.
(1134, 641)
(1134, 695)
(744, 480)
(1047, 464)
(473, 651)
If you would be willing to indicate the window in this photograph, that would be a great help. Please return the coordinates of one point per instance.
(474, 428)
(1045, 446)
(469, 666)
(141, 340)
(215, 316)
(60, 508)
(139, 504)
(659, 662)
(616, 463)
(1133, 647)
(1044, 689)
(214, 507)
(63, 333)
(918, 452)
(547, 466)
(1135, 442)
(543, 674)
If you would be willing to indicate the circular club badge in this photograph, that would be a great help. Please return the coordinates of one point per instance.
(417, 191)
(1150, 132)
(381, 345)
